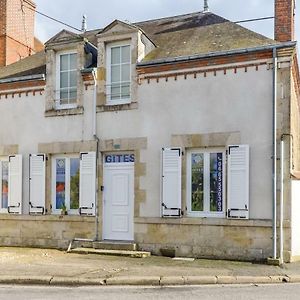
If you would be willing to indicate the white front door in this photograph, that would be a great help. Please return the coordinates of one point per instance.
(118, 202)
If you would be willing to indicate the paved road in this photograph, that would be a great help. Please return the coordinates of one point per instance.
(240, 292)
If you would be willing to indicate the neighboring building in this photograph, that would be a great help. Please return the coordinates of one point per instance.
(182, 139)
(17, 39)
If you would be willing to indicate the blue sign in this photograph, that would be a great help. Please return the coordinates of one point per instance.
(220, 182)
(119, 158)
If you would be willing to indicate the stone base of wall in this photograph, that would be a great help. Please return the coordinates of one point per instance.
(44, 231)
(247, 240)
(206, 238)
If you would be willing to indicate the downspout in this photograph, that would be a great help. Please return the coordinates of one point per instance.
(281, 200)
(97, 173)
(274, 153)
(97, 153)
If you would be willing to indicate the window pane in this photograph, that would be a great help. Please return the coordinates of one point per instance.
(73, 61)
(125, 73)
(74, 183)
(64, 62)
(216, 182)
(73, 95)
(73, 78)
(115, 55)
(4, 192)
(115, 74)
(197, 182)
(115, 92)
(60, 183)
(64, 94)
(64, 79)
(125, 90)
(125, 54)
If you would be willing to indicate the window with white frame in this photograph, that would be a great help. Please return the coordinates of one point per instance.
(74, 184)
(66, 94)
(66, 176)
(3, 185)
(206, 183)
(118, 73)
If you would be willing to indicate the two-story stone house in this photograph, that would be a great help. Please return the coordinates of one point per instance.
(168, 133)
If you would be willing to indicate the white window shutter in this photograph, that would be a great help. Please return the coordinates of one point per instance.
(87, 188)
(15, 184)
(37, 177)
(171, 182)
(238, 182)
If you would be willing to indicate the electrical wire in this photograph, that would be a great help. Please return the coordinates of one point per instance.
(53, 19)
(70, 26)
(254, 20)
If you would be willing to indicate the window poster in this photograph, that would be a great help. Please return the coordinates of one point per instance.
(74, 183)
(197, 182)
(216, 182)
(60, 183)
(4, 191)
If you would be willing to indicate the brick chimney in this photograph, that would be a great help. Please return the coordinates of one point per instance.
(284, 20)
(16, 30)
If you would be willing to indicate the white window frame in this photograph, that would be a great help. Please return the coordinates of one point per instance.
(67, 184)
(109, 47)
(57, 93)
(2, 159)
(205, 213)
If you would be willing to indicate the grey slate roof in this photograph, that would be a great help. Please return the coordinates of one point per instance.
(189, 34)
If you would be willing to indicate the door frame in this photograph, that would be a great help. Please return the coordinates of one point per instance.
(115, 166)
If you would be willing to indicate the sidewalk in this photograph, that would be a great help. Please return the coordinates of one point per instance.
(52, 267)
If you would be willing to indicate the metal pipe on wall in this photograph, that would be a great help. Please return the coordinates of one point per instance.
(97, 152)
(281, 201)
(274, 153)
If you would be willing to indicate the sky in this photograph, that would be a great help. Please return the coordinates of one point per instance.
(100, 13)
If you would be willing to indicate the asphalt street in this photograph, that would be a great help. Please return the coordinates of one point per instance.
(232, 292)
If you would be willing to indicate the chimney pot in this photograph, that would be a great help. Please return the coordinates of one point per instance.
(284, 27)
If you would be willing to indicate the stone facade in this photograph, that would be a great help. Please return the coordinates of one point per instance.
(197, 104)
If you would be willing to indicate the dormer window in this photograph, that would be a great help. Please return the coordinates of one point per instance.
(66, 94)
(118, 73)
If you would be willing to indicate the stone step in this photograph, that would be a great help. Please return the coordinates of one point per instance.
(115, 245)
(134, 254)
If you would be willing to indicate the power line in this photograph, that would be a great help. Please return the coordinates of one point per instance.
(53, 19)
(70, 26)
(254, 20)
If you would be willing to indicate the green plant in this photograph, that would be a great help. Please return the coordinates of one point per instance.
(64, 210)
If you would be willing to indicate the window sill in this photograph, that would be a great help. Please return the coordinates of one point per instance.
(118, 107)
(64, 112)
(204, 221)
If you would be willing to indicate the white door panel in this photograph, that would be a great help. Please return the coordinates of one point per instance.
(118, 202)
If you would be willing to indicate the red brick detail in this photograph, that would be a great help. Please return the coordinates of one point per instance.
(87, 77)
(88, 80)
(16, 30)
(284, 20)
(21, 85)
(205, 62)
(204, 72)
(26, 92)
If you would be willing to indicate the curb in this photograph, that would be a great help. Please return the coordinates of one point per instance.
(147, 280)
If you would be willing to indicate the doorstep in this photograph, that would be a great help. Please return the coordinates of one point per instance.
(127, 253)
